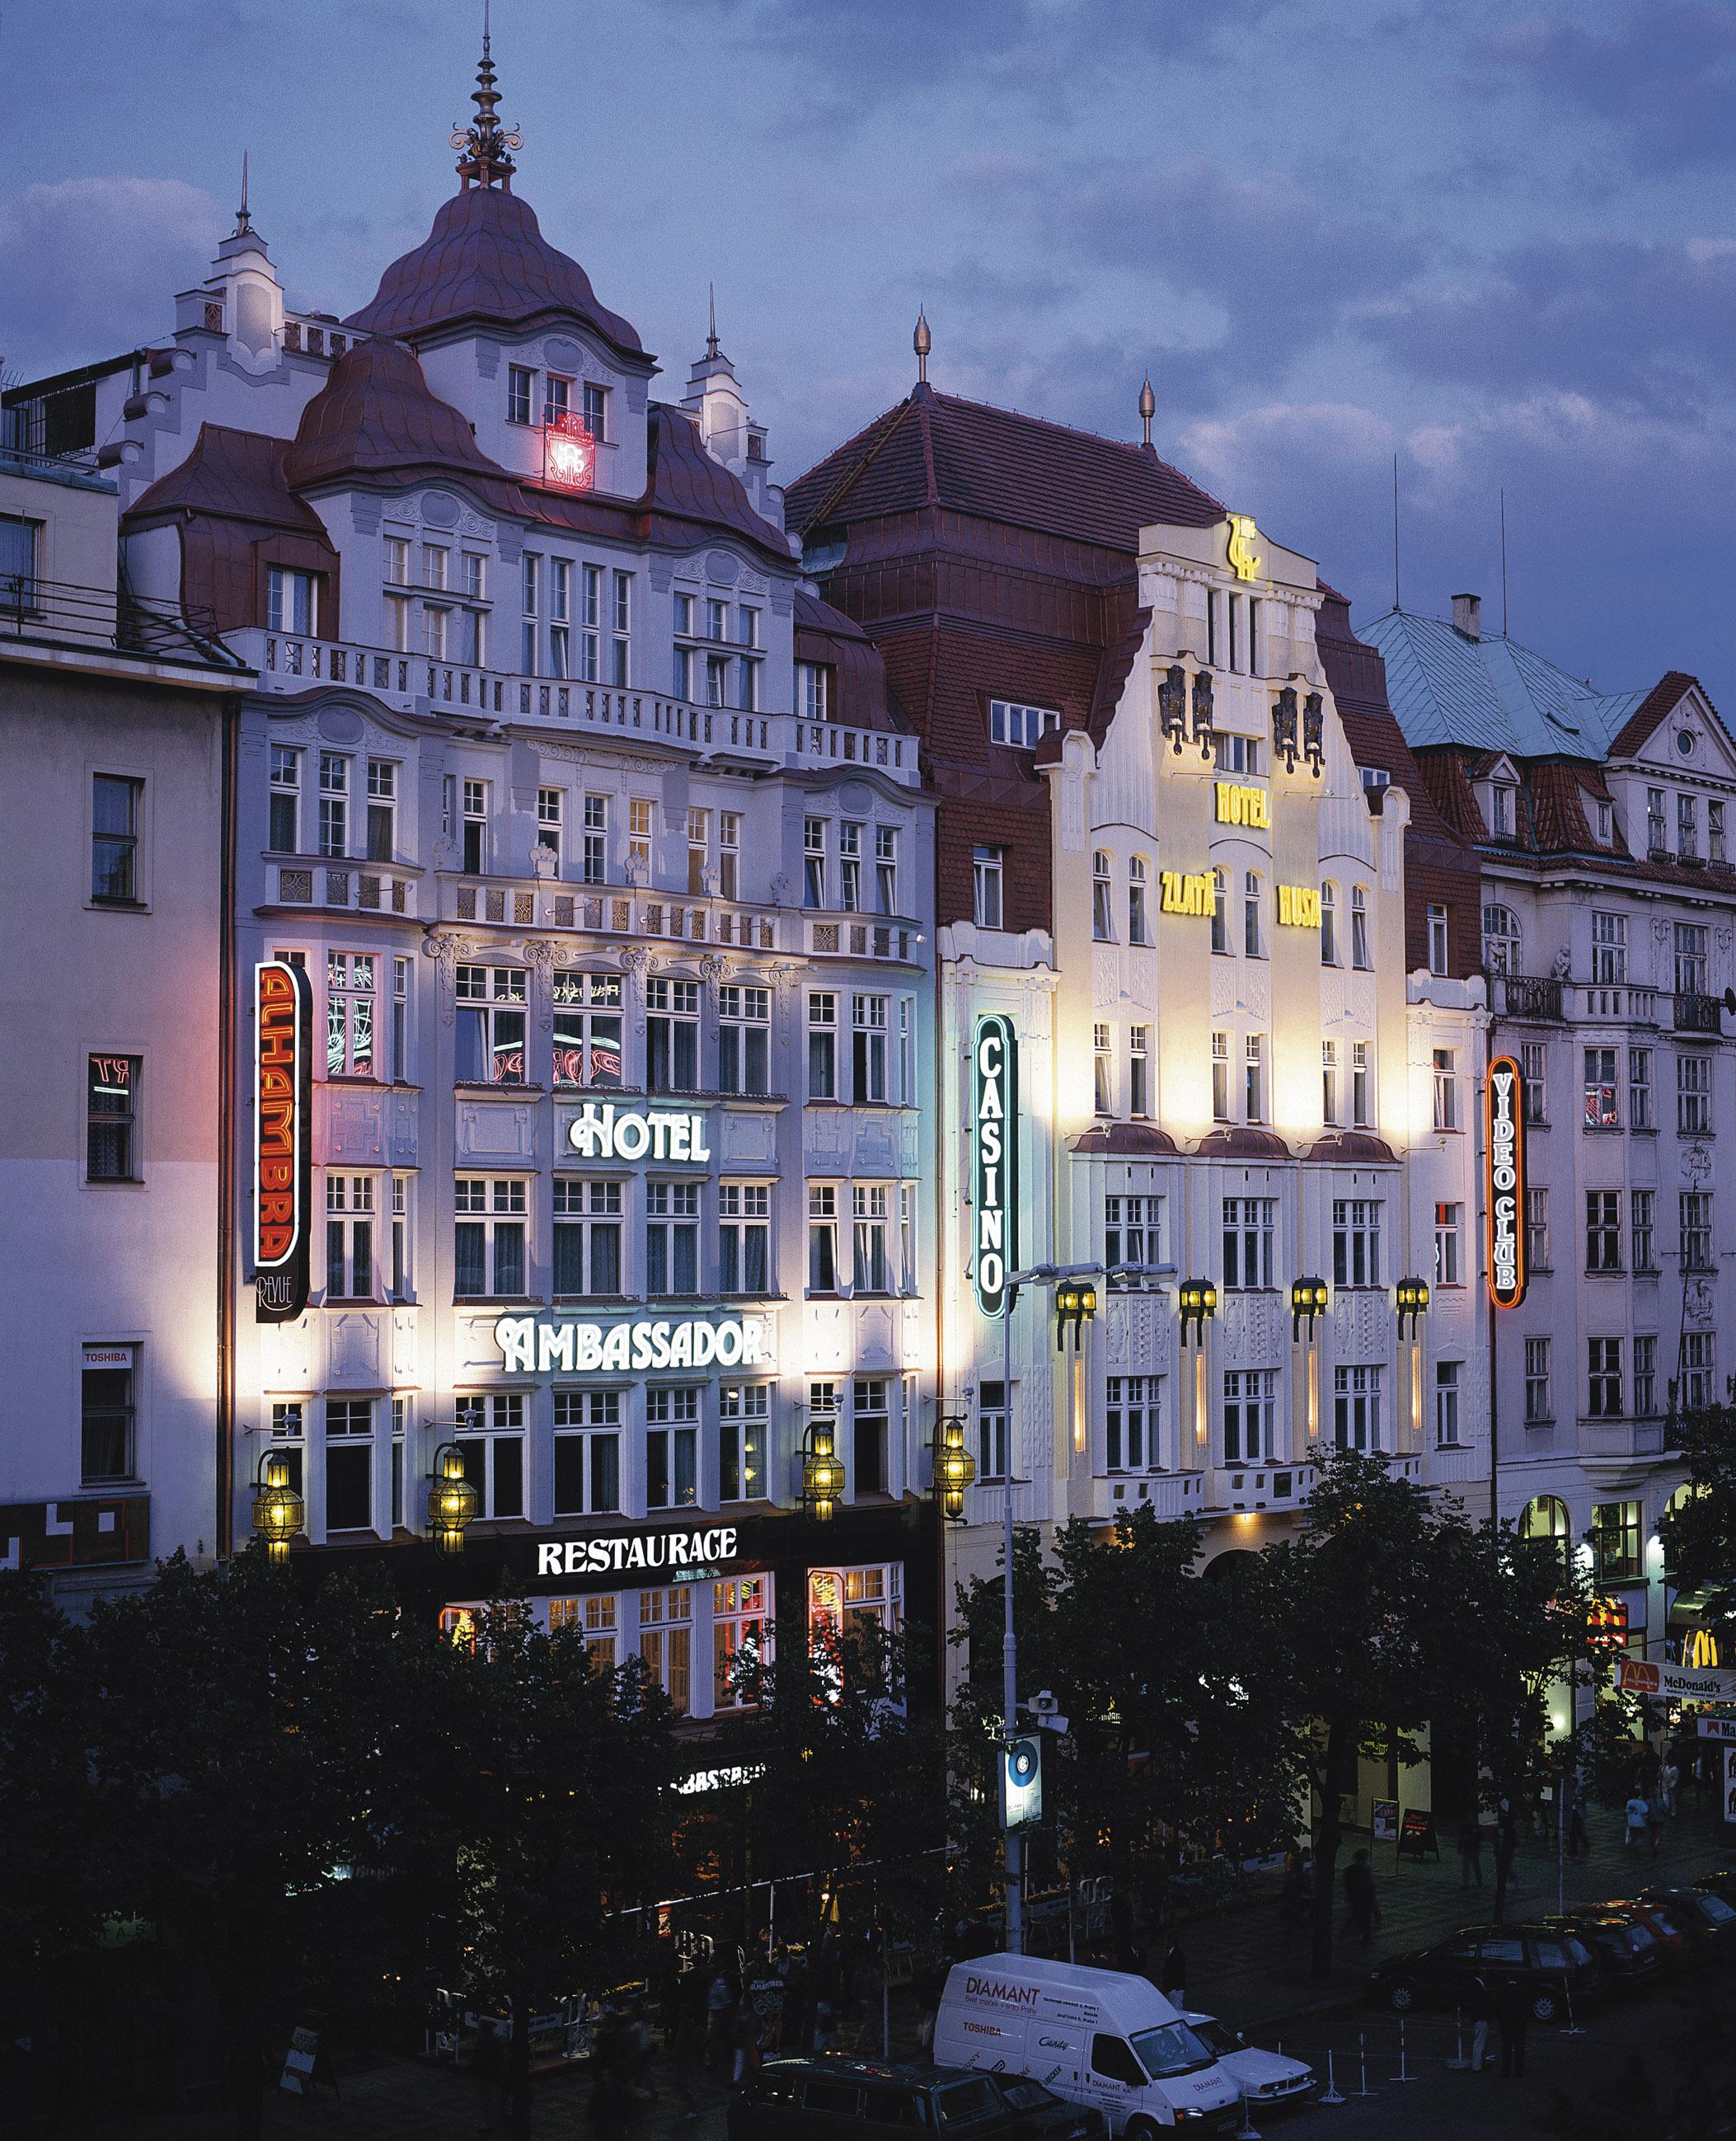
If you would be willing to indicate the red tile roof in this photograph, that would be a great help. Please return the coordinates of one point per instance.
(937, 449)
(1662, 697)
(487, 260)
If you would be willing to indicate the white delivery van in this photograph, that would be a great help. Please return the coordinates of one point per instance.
(1094, 2036)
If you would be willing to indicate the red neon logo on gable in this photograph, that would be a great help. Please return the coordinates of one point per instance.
(569, 453)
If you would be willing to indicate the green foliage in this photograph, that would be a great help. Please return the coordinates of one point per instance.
(1698, 1533)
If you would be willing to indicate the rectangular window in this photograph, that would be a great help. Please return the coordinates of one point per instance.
(671, 1239)
(886, 869)
(744, 1238)
(871, 1214)
(587, 1453)
(1133, 1234)
(1360, 926)
(349, 1238)
(849, 867)
(488, 1238)
(672, 1446)
(744, 1039)
(382, 791)
(1537, 1228)
(597, 840)
(1103, 898)
(813, 862)
(1132, 1422)
(291, 601)
(596, 412)
(1694, 1212)
(400, 1020)
(1329, 1083)
(741, 1631)
(1603, 1378)
(822, 1045)
(867, 1048)
(1615, 1529)
(1356, 1393)
(1687, 827)
(1603, 1230)
(490, 1441)
(1534, 1063)
(111, 1118)
(107, 1415)
(1698, 1364)
(698, 841)
(992, 1430)
(286, 800)
(1022, 727)
(557, 399)
(1249, 1223)
(1609, 949)
(474, 828)
(1103, 1069)
(1691, 940)
(1449, 1226)
(639, 809)
(1138, 1070)
(985, 881)
(729, 854)
(587, 1029)
(114, 803)
(1253, 1079)
(1603, 1096)
(1139, 930)
(549, 823)
(1356, 1241)
(400, 1237)
(1642, 1210)
(1252, 941)
(1437, 940)
(519, 380)
(822, 1237)
(744, 1421)
(1693, 1093)
(1536, 1379)
(621, 619)
(665, 1641)
(672, 1036)
(1640, 1114)
(489, 1046)
(1714, 832)
(1447, 1382)
(1250, 1404)
(1655, 834)
(1646, 1375)
(351, 1023)
(1446, 1089)
(1220, 1078)
(810, 691)
(349, 1464)
(870, 1437)
(529, 591)
(587, 1219)
(1360, 1117)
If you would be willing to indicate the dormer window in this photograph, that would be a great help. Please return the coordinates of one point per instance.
(1020, 727)
(1502, 810)
(557, 399)
(1605, 823)
(520, 383)
(596, 412)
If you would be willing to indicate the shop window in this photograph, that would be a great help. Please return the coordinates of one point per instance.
(741, 1628)
(591, 1618)
(666, 1640)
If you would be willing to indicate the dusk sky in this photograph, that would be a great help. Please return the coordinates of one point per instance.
(1497, 242)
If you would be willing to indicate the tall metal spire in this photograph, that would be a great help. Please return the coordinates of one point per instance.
(712, 350)
(244, 221)
(922, 342)
(485, 146)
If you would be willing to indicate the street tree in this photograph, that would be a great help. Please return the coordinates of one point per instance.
(1698, 1529)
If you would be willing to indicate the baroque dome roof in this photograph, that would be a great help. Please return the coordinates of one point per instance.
(377, 415)
(486, 259)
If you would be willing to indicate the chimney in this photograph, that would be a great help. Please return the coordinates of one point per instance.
(1467, 615)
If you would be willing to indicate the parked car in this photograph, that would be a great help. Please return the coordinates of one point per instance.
(1705, 1920)
(830, 2096)
(1266, 2079)
(1631, 1953)
(1722, 1882)
(1677, 1948)
(1048, 2115)
(1555, 1966)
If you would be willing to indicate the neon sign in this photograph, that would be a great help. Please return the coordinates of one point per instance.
(995, 1167)
(534, 1348)
(1243, 806)
(282, 1154)
(1299, 906)
(569, 453)
(1183, 894)
(1243, 558)
(1504, 1114)
(609, 1133)
(673, 1551)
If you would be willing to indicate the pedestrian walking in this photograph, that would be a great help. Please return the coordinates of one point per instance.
(1655, 1822)
(1480, 2006)
(1470, 1853)
(1512, 2013)
(1360, 1900)
(1635, 1816)
(1579, 1843)
(1671, 1778)
(1174, 1986)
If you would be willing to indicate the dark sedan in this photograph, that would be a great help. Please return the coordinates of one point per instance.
(1556, 1968)
(1704, 1920)
(1631, 1953)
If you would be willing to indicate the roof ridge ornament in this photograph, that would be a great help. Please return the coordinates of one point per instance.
(1148, 408)
(485, 146)
(244, 221)
(922, 342)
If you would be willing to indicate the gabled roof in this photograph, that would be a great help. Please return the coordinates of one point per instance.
(937, 449)
(1491, 693)
(1661, 701)
(487, 260)
(237, 475)
(377, 415)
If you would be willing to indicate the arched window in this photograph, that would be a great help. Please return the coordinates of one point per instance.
(1545, 1517)
(1138, 931)
(1500, 938)
(1251, 937)
(1329, 924)
(1359, 925)
(1103, 919)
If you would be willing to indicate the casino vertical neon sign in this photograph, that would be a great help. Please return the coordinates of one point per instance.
(1503, 1121)
(283, 1154)
(994, 1059)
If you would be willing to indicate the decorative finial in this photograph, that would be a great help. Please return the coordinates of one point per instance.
(1148, 406)
(711, 347)
(244, 221)
(922, 342)
(484, 147)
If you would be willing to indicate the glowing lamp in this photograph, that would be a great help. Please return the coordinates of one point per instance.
(1309, 1297)
(1198, 1298)
(1410, 1297)
(954, 1469)
(1074, 1306)
(451, 1499)
(822, 1475)
(278, 1511)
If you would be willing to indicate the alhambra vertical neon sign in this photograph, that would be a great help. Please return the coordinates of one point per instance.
(1503, 1122)
(282, 1153)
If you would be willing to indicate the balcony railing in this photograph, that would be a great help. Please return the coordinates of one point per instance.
(420, 684)
(1525, 996)
(60, 612)
(1697, 1013)
(1245, 1487)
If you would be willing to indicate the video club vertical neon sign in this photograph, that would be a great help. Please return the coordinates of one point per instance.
(1503, 1115)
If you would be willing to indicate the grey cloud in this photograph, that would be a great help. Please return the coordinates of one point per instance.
(1664, 76)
